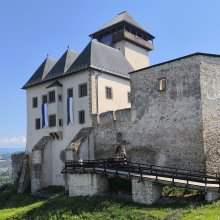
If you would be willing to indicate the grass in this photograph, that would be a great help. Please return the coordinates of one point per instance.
(24, 206)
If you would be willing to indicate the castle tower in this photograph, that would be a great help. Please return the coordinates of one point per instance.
(126, 35)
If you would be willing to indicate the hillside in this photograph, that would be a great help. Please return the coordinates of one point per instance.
(5, 168)
(24, 206)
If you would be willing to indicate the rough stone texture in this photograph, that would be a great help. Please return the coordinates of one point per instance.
(179, 127)
(145, 192)
(212, 196)
(41, 168)
(210, 87)
(87, 184)
(16, 163)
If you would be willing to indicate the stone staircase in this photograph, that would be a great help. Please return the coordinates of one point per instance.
(23, 180)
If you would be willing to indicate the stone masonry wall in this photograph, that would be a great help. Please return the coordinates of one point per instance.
(87, 184)
(16, 163)
(162, 128)
(210, 87)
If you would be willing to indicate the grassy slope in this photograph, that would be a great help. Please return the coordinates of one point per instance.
(14, 206)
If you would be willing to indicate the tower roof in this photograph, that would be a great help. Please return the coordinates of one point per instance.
(122, 17)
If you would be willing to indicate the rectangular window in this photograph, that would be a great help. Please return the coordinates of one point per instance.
(129, 97)
(162, 84)
(83, 90)
(81, 117)
(69, 92)
(60, 98)
(61, 122)
(37, 123)
(52, 96)
(34, 102)
(52, 120)
(108, 92)
(44, 99)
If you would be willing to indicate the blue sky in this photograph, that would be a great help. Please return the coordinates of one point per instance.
(29, 30)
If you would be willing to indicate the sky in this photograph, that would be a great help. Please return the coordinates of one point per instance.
(29, 30)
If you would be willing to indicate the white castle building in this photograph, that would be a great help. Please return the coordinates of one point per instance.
(63, 94)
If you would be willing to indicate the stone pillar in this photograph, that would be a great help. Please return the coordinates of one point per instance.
(145, 192)
(87, 184)
(212, 196)
(16, 164)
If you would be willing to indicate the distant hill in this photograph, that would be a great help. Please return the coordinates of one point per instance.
(5, 150)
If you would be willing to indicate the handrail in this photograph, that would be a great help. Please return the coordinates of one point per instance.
(121, 165)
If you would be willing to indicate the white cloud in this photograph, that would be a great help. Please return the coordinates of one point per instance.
(13, 141)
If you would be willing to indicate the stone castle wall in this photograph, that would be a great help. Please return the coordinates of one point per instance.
(16, 164)
(161, 128)
(210, 84)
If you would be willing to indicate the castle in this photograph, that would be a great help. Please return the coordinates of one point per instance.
(85, 106)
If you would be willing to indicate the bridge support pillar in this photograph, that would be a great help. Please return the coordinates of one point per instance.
(87, 184)
(145, 192)
(212, 196)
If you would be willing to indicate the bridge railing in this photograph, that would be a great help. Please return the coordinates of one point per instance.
(120, 167)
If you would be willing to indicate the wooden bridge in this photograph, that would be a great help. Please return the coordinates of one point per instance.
(168, 176)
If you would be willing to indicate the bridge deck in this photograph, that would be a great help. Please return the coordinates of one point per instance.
(161, 175)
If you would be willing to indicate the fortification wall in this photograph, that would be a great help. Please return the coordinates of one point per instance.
(161, 128)
(16, 164)
(210, 88)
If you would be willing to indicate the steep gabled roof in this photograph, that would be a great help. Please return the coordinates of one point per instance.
(100, 56)
(41, 72)
(62, 64)
(95, 55)
(122, 17)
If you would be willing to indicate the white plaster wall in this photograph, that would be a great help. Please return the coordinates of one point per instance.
(69, 131)
(120, 88)
(136, 55)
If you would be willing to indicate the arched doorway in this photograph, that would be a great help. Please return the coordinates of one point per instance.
(120, 153)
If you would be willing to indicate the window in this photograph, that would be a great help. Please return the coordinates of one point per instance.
(108, 92)
(34, 102)
(52, 97)
(37, 123)
(162, 84)
(52, 120)
(129, 97)
(69, 93)
(61, 122)
(44, 99)
(83, 90)
(60, 98)
(81, 117)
